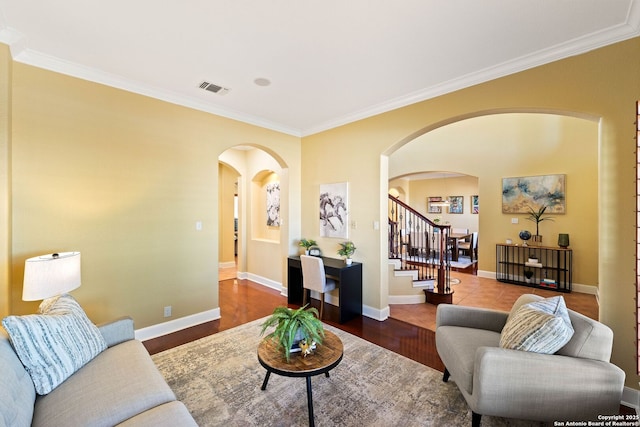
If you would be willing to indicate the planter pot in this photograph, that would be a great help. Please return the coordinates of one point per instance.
(537, 239)
(348, 261)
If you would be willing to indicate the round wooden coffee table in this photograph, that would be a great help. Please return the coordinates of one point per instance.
(325, 357)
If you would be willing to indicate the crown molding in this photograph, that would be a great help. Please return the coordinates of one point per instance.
(571, 48)
(20, 53)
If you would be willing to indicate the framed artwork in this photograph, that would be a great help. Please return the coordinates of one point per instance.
(334, 214)
(456, 204)
(521, 193)
(431, 208)
(273, 204)
(475, 204)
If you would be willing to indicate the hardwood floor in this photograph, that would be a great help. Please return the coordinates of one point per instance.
(242, 301)
(409, 331)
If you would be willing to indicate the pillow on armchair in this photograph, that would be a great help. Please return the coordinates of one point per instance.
(541, 327)
(55, 344)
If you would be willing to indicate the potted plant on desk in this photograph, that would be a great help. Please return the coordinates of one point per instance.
(296, 330)
(346, 250)
(306, 244)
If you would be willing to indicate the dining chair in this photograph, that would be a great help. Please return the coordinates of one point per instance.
(470, 247)
(314, 279)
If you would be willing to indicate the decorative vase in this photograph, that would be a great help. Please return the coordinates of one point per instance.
(537, 239)
(563, 240)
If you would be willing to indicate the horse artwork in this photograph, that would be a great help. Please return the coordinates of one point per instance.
(334, 215)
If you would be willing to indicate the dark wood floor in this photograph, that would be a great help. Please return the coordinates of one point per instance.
(242, 301)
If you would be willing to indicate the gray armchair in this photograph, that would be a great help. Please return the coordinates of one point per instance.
(575, 383)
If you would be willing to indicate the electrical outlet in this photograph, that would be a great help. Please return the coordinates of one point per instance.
(167, 311)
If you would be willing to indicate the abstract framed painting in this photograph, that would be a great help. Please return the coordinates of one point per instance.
(334, 214)
(432, 206)
(475, 204)
(273, 204)
(520, 194)
(456, 204)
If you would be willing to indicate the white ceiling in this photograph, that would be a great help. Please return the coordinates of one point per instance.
(329, 62)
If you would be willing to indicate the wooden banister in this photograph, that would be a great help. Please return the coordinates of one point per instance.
(420, 244)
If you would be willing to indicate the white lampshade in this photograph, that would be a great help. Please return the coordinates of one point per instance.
(50, 275)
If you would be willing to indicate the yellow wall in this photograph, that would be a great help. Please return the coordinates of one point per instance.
(227, 180)
(465, 186)
(5, 178)
(510, 145)
(603, 83)
(122, 178)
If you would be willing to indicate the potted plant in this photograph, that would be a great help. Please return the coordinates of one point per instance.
(306, 244)
(527, 276)
(346, 250)
(294, 326)
(537, 217)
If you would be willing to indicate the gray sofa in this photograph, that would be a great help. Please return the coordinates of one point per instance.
(575, 383)
(121, 386)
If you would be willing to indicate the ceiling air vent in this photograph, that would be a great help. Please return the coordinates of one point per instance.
(214, 88)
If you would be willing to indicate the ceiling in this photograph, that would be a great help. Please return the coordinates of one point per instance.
(328, 63)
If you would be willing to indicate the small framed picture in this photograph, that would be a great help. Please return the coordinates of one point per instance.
(475, 204)
(456, 204)
(431, 208)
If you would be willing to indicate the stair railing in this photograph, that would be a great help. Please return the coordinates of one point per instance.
(420, 244)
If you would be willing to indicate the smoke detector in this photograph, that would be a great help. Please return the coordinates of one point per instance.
(214, 88)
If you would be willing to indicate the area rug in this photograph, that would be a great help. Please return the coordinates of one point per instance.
(219, 378)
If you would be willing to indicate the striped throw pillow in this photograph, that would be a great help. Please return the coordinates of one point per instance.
(541, 327)
(55, 344)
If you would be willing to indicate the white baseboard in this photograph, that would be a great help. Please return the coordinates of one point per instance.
(175, 325)
(272, 284)
(227, 264)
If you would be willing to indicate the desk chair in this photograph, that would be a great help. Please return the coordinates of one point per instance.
(314, 279)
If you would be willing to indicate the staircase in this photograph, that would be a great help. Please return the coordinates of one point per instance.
(419, 246)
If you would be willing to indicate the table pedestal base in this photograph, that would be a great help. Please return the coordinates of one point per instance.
(312, 421)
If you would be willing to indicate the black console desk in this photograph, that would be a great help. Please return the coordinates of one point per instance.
(350, 284)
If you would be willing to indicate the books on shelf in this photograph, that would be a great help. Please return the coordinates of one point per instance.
(533, 264)
(549, 283)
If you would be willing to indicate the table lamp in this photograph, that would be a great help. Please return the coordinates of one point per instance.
(47, 276)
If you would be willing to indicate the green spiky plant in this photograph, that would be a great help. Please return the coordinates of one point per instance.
(288, 321)
(537, 217)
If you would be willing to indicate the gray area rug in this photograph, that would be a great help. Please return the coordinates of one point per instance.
(219, 378)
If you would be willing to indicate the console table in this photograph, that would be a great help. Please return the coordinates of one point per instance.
(536, 266)
(349, 279)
